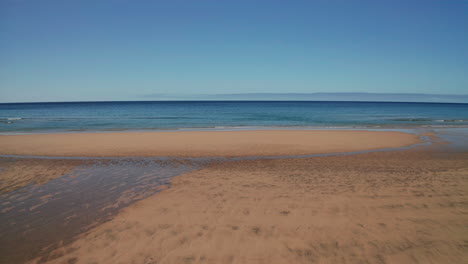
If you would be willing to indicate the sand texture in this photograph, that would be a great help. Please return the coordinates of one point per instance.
(17, 173)
(388, 207)
(202, 144)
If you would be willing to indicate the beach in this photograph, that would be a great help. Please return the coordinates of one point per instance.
(234, 132)
(203, 143)
(396, 206)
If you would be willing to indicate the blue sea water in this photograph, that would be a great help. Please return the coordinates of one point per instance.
(228, 115)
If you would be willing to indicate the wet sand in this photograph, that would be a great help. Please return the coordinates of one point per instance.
(389, 207)
(405, 206)
(39, 217)
(18, 173)
(202, 144)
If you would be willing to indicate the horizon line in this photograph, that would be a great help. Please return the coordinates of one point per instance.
(217, 100)
(300, 97)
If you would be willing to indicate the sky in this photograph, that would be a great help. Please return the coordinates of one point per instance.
(79, 50)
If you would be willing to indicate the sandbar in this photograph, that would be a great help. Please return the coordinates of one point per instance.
(203, 143)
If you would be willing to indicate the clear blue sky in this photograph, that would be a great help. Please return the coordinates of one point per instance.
(68, 50)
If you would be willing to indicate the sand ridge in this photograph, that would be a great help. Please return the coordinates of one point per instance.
(203, 143)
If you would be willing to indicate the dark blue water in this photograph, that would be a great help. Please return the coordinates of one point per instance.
(121, 116)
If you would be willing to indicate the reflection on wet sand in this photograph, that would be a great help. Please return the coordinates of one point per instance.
(37, 218)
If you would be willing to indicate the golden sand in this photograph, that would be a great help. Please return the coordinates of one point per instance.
(387, 207)
(384, 207)
(200, 144)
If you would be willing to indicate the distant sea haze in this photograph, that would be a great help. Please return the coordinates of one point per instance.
(363, 97)
(224, 115)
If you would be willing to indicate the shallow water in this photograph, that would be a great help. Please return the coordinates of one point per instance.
(456, 138)
(38, 216)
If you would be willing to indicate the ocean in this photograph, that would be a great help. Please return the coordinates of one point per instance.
(18, 118)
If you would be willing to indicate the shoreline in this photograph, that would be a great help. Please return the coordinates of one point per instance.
(191, 144)
(235, 204)
(396, 128)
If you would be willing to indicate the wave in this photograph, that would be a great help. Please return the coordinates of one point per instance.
(427, 120)
(11, 118)
(410, 119)
(452, 120)
(95, 118)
